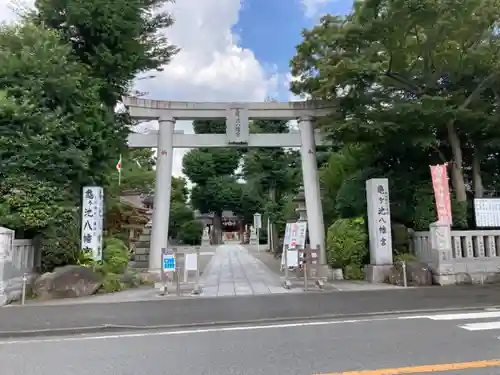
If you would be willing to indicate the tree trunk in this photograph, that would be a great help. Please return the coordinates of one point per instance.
(272, 227)
(477, 178)
(241, 231)
(268, 231)
(457, 173)
(217, 229)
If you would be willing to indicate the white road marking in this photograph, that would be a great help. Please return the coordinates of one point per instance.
(437, 317)
(194, 331)
(465, 316)
(484, 326)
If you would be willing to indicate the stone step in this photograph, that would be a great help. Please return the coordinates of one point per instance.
(141, 251)
(135, 264)
(143, 244)
(141, 258)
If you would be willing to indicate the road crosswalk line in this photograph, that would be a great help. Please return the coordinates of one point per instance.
(483, 326)
(465, 316)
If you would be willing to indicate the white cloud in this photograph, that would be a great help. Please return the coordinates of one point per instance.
(313, 7)
(10, 9)
(210, 67)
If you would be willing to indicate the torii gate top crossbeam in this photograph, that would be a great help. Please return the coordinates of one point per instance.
(146, 109)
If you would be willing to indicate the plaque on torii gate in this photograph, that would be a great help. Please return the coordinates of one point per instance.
(237, 128)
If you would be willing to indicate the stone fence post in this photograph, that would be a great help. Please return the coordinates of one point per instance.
(6, 243)
(442, 253)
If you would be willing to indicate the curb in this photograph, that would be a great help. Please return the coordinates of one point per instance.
(110, 328)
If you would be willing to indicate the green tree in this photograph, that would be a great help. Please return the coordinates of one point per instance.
(115, 40)
(272, 173)
(213, 172)
(54, 135)
(413, 80)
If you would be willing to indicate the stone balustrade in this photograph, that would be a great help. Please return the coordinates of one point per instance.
(474, 256)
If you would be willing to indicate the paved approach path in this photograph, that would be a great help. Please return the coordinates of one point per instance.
(233, 271)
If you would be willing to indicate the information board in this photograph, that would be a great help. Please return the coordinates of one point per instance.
(487, 212)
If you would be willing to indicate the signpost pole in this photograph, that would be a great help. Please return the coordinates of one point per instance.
(286, 283)
(163, 291)
(177, 274)
(257, 223)
(197, 288)
(305, 259)
(258, 241)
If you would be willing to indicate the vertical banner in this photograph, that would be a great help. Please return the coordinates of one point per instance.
(441, 187)
(92, 221)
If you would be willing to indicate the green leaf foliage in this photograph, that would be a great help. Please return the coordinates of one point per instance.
(191, 232)
(347, 241)
(115, 40)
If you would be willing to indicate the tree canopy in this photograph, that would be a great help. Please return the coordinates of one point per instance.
(216, 187)
(415, 85)
(63, 68)
(115, 40)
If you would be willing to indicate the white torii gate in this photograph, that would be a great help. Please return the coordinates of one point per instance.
(237, 135)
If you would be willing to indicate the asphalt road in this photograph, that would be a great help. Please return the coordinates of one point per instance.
(332, 347)
(196, 311)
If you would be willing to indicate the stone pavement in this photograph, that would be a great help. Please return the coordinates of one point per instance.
(233, 271)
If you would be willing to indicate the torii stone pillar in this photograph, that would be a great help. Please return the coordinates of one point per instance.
(163, 191)
(310, 177)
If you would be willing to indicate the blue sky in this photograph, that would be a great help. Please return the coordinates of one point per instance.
(271, 28)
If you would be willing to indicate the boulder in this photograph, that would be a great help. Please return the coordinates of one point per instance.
(417, 273)
(67, 282)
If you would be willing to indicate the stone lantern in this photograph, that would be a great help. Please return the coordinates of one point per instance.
(300, 199)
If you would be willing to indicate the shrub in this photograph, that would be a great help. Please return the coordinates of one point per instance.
(346, 243)
(112, 283)
(405, 258)
(191, 232)
(354, 272)
(115, 256)
(60, 243)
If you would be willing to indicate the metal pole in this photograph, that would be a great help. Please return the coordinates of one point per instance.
(286, 283)
(177, 275)
(405, 280)
(286, 264)
(197, 288)
(258, 241)
(306, 287)
(23, 293)
(162, 275)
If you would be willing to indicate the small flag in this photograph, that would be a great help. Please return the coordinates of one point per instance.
(119, 164)
(119, 169)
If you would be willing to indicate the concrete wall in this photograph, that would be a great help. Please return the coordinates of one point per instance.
(17, 258)
(474, 256)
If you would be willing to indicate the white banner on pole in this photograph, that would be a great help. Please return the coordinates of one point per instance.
(257, 221)
(92, 221)
(295, 238)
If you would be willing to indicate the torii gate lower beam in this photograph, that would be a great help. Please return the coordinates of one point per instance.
(237, 135)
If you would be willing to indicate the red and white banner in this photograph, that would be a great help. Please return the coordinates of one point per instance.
(439, 175)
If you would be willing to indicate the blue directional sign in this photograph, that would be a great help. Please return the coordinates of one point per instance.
(169, 262)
